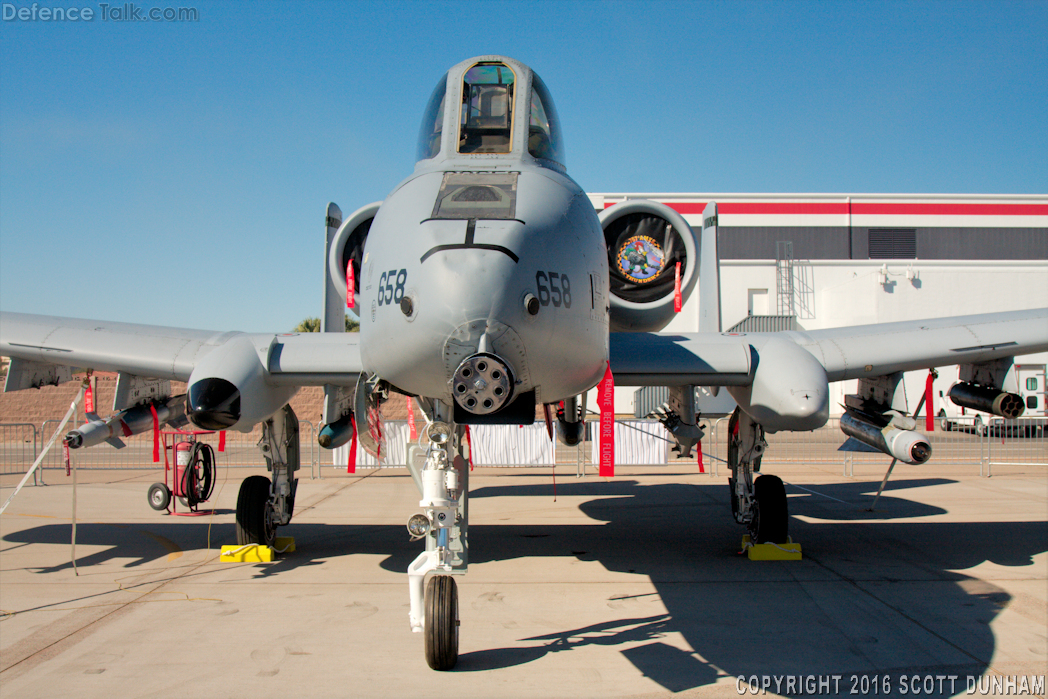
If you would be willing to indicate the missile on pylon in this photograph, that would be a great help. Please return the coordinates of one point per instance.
(126, 423)
(570, 433)
(896, 437)
(335, 434)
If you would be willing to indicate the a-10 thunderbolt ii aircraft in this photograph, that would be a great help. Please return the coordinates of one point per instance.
(487, 285)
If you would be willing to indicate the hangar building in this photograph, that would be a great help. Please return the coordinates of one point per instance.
(810, 261)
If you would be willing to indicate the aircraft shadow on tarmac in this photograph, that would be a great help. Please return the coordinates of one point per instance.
(875, 593)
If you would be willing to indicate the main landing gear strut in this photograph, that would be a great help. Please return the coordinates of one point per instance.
(264, 504)
(758, 503)
(444, 483)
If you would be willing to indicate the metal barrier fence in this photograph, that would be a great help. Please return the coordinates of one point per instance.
(18, 450)
(965, 441)
(19, 446)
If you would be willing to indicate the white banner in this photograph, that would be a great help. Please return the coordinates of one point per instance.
(512, 445)
(493, 445)
(637, 443)
(394, 451)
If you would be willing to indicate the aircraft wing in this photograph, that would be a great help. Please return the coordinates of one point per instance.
(723, 359)
(885, 348)
(292, 359)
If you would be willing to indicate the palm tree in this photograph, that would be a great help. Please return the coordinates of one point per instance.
(309, 325)
(312, 325)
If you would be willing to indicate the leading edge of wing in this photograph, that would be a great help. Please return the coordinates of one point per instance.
(173, 353)
(679, 359)
(143, 350)
(885, 348)
(723, 359)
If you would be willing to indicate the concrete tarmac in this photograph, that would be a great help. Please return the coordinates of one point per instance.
(630, 587)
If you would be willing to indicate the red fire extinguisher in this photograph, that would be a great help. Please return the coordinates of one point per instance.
(183, 454)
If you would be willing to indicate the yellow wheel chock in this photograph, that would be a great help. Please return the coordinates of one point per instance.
(257, 553)
(790, 551)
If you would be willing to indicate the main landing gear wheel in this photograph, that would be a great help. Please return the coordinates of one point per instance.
(254, 515)
(159, 496)
(771, 518)
(442, 622)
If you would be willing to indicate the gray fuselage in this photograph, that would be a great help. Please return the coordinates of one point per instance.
(459, 251)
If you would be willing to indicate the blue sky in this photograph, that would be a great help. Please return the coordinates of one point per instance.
(177, 173)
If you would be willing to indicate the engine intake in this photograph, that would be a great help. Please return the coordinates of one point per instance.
(348, 245)
(645, 241)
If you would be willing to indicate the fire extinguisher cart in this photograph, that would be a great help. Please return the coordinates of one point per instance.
(190, 479)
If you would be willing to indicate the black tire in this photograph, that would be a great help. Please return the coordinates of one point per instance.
(254, 516)
(771, 520)
(944, 424)
(159, 496)
(442, 622)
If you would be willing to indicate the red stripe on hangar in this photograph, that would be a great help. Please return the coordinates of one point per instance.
(944, 209)
(861, 208)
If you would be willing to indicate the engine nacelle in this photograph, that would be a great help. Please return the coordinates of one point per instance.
(645, 241)
(228, 389)
(349, 245)
(987, 400)
(905, 445)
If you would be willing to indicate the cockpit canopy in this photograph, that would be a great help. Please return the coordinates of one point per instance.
(485, 119)
(488, 106)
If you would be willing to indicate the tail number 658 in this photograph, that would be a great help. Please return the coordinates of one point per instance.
(554, 288)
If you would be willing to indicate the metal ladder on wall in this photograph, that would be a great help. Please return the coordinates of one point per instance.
(784, 278)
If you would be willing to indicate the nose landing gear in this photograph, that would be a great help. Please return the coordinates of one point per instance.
(444, 521)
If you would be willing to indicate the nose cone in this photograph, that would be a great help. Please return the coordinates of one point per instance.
(213, 404)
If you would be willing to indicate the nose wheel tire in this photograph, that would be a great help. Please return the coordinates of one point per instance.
(771, 518)
(254, 516)
(442, 622)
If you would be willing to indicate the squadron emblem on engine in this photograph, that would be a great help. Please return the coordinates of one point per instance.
(640, 259)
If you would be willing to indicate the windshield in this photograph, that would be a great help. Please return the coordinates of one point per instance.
(486, 121)
(544, 140)
(432, 122)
